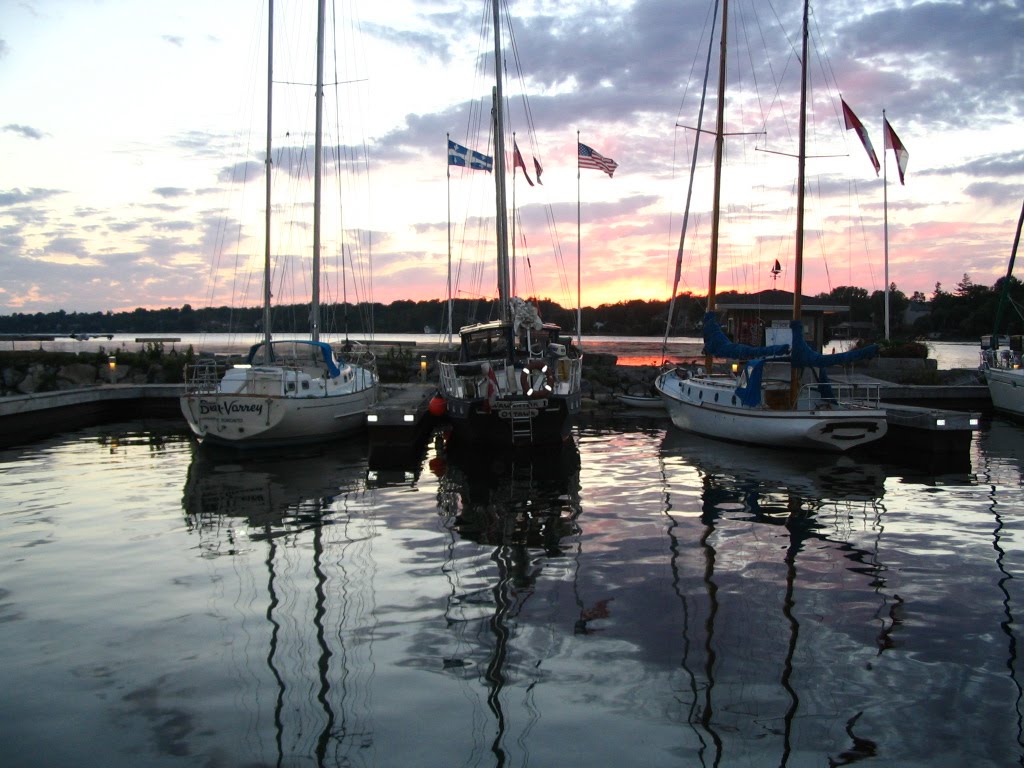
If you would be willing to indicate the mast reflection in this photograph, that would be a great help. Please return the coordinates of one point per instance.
(296, 508)
(768, 521)
(522, 510)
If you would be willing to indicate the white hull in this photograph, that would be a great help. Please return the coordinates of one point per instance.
(1006, 387)
(265, 406)
(707, 405)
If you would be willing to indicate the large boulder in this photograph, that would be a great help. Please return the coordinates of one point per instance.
(76, 375)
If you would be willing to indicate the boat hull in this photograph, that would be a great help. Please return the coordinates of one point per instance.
(258, 421)
(707, 406)
(512, 422)
(1006, 387)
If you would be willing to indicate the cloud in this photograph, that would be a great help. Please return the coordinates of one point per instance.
(17, 197)
(175, 40)
(25, 131)
(169, 192)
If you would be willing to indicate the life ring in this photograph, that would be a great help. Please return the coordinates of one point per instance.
(537, 386)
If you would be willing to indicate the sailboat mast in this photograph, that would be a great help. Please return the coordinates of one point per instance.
(501, 228)
(267, 166)
(719, 151)
(801, 161)
(1009, 273)
(318, 151)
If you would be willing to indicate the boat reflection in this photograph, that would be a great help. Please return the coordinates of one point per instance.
(307, 518)
(512, 518)
(773, 529)
(1001, 467)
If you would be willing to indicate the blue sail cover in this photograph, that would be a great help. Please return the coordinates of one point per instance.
(805, 357)
(716, 343)
(802, 356)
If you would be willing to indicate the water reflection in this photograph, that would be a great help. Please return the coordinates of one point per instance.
(309, 513)
(775, 532)
(521, 511)
(1001, 469)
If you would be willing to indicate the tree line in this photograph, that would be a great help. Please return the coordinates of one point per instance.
(964, 313)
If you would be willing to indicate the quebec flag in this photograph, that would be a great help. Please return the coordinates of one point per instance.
(460, 155)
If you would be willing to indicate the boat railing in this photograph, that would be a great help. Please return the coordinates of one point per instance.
(827, 394)
(203, 376)
(1006, 359)
(468, 380)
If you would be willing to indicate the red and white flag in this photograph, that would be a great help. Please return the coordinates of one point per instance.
(852, 122)
(518, 161)
(892, 141)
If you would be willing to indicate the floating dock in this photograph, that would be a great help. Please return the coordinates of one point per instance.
(399, 422)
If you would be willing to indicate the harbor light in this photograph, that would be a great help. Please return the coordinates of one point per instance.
(112, 365)
(423, 367)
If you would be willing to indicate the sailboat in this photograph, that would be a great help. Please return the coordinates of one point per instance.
(516, 382)
(288, 392)
(781, 396)
(1001, 355)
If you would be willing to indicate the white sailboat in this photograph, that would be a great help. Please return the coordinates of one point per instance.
(288, 392)
(782, 396)
(517, 380)
(1001, 355)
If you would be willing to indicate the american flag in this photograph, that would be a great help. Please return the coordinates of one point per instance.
(588, 158)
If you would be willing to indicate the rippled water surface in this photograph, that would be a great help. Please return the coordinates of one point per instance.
(644, 597)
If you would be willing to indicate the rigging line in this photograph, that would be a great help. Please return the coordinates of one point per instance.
(689, 190)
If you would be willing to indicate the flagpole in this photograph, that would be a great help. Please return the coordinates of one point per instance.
(448, 173)
(513, 259)
(579, 291)
(885, 219)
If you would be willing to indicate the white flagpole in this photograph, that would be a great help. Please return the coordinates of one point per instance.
(885, 209)
(449, 175)
(579, 291)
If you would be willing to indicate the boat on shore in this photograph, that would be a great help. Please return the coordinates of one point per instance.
(288, 392)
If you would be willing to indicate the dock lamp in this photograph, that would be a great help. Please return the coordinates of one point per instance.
(423, 367)
(112, 365)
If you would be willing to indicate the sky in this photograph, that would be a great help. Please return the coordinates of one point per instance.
(132, 145)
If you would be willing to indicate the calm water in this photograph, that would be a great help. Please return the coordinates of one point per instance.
(645, 598)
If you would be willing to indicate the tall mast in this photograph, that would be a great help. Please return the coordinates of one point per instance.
(318, 151)
(801, 162)
(719, 149)
(267, 165)
(501, 228)
(1009, 273)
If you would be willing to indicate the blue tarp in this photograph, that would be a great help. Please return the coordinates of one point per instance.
(805, 357)
(716, 343)
(749, 390)
(800, 356)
